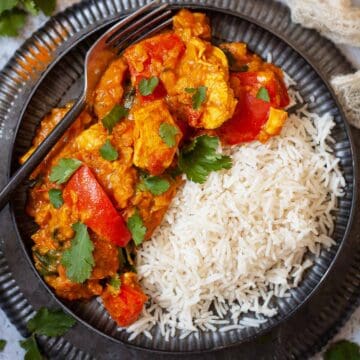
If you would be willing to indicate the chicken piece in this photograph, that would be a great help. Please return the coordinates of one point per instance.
(189, 24)
(151, 153)
(109, 91)
(273, 125)
(202, 65)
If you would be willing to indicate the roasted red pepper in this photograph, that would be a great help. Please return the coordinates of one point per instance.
(95, 208)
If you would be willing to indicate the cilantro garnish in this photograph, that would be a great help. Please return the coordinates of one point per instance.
(115, 284)
(167, 133)
(155, 184)
(62, 172)
(13, 13)
(343, 350)
(200, 157)
(55, 197)
(50, 322)
(199, 96)
(108, 152)
(2, 344)
(263, 94)
(78, 259)
(116, 114)
(147, 86)
(137, 228)
(31, 348)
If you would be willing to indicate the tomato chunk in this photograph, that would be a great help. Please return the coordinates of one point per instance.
(125, 307)
(96, 210)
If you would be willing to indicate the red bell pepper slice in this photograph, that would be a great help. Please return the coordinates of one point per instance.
(95, 208)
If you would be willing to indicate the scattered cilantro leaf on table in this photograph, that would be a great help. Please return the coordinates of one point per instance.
(55, 197)
(200, 157)
(62, 172)
(31, 347)
(157, 185)
(136, 226)
(2, 344)
(108, 152)
(11, 22)
(50, 322)
(78, 259)
(147, 86)
(343, 350)
(116, 114)
(168, 134)
(199, 96)
(263, 94)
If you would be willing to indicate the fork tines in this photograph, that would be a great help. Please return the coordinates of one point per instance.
(156, 20)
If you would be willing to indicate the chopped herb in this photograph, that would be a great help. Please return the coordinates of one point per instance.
(200, 157)
(147, 86)
(31, 347)
(116, 114)
(263, 94)
(2, 344)
(137, 228)
(108, 152)
(168, 134)
(50, 322)
(55, 197)
(7, 5)
(115, 284)
(11, 21)
(343, 350)
(62, 172)
(155, 184)
(199, 96)
(78, 259)
(30, 7)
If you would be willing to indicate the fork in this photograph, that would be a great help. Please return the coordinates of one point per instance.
(131, 29)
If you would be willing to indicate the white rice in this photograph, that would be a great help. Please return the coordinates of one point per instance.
(235, 242)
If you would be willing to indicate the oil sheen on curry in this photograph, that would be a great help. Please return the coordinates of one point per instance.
(156, 119)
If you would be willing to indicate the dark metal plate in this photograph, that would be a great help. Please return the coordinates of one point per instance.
(29, 92)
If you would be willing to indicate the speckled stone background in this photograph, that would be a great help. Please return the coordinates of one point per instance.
(8, 46)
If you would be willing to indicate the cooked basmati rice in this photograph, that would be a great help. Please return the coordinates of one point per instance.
(231, 244)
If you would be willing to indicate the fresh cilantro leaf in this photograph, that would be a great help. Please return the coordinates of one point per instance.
(46, 6)
(155, 184)
(108, 152)
(199, 96)
(116, 114)
(56, 199)
(2, 344)
(147, 86)
(31, 348)
(263, 94)
(50, 322)
(115, 284)
(11, 22)
(136, 227)
(343, 350)
(167, 133)
(30, 6)
(78, 259)
(200, 157)
(62, 172)
(7, 5)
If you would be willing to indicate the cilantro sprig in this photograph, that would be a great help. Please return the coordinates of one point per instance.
(55, 197)
(108, 152)
(137, 228)
(199, 96)
(200, 157)
(116, 114)
(31, 348)
(147, 86)
(62, 172)
(157, 185)
(263, 94)
(13, 13)
(78, 260)
(168, 134)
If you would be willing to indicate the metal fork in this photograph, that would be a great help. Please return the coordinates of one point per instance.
(131, 29)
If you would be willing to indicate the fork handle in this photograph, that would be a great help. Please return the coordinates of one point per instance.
(42, 150)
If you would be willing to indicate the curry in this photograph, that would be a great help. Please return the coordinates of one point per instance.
(159, 111)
